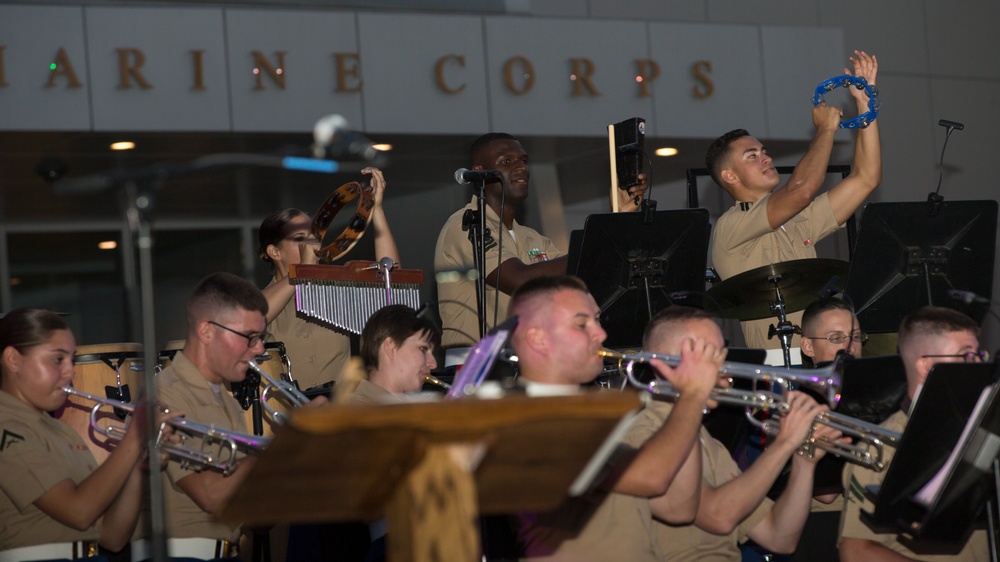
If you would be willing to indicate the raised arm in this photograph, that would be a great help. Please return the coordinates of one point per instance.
(809, 174)
(724, 507)
(80, 505)
(679, 506)
(866, 173)
(385, 243)
(655, 465)
(209, 488)
(781, 529)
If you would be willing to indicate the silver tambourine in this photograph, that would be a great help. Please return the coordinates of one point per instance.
(845, 80)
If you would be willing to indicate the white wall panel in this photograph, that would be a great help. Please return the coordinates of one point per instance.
(310, 41)
(549, 107)
(400, 55)
(736, 76)
(31, 36)
(796, 60)
(171, 103)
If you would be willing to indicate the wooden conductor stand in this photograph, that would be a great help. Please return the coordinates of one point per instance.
(429, 468)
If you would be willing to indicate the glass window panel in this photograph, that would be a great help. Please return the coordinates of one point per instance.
(69, 273)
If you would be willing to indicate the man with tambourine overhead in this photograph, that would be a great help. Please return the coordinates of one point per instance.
(769, 224)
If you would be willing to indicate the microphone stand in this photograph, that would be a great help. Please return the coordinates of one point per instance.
(475, 223)
(137, 214)
(934, 198)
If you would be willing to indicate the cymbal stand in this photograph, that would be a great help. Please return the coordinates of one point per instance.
(785, 329)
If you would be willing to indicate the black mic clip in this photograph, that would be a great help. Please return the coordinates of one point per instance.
(648, 208)
(951, 125)
(934, 201)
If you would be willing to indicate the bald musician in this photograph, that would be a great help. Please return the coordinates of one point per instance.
(769, 225)
(733, 505)
(557, 340)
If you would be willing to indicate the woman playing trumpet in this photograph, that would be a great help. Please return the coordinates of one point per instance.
(397, 346)
(55, 501)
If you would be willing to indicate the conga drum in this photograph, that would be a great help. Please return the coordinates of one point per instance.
(113, 371)
(274, 361)
(167, 353)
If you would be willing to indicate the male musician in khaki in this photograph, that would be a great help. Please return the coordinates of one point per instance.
(557, 340)
(828, 326)
(768, 225)
(225, 329)
(928, 336)
(526, 253)
(734, 505)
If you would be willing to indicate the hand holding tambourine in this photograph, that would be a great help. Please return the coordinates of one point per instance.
(863, 80)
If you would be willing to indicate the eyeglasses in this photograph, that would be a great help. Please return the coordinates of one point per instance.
(838, 338)
(978, 356)
(251, 339)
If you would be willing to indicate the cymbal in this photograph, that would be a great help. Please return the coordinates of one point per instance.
(748, 296)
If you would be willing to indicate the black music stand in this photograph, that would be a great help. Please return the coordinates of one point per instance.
(633, 264)
(873, 387)
(906, 258)
(936, 424)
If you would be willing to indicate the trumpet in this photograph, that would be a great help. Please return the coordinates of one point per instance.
(868, 440)
(432, 380)
(218, 447)
(286, 388)
(826, 380)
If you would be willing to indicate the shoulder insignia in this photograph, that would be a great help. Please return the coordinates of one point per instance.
(489, 241)
(9, 438)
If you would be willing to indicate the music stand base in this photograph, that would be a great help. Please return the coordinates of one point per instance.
(432, 515)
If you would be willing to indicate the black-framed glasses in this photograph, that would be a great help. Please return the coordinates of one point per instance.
(977, 356)
(838, 338)
(252, 339)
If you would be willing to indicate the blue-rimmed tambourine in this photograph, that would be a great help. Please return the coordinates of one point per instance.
(845, 80)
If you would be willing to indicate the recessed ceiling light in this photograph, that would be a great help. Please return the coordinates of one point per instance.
(122, 145)
(666, 151)
(384, 147)
(107, 245)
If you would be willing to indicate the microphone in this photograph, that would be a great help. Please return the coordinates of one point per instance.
(934, 198)
(951, 124)
(466, 176)
(966, 297)
(333, 138)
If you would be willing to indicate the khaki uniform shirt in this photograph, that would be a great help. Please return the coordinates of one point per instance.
(688, 542)
(368, 392)
(183, 387)
(457, 300)
(318, 354)
(36, 453)
(856, 478)
(743, 240)
(600, 526)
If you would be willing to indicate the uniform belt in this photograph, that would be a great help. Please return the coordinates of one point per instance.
(202, 548)
(70, 550)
